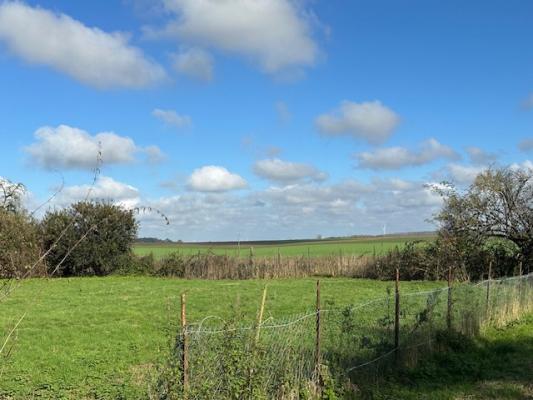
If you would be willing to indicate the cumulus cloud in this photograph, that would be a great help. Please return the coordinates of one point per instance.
(90, 55)
(464, 174)
(297, 211)
(277, 170)
(72, 148)
(211, 178)
(370, 121)
(105, 188)
(526, 144)
(172, 118)
(276, 34)
(400, 157)
(479, 156)
(154, 155)
(195, 63)
(524, 165)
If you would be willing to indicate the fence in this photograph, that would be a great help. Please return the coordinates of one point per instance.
(300, 356)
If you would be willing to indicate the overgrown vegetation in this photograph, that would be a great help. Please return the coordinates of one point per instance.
(96, 238)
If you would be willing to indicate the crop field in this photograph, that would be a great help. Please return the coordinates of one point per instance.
(100, 337)
(313, 248)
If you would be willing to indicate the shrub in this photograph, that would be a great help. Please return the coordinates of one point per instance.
(20, 249)
(88, 238)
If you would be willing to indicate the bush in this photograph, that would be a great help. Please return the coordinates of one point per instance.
(88, 238)
(20, 249)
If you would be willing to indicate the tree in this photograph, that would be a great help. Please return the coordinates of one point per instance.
(88, 238)
(499, 204)
(19, 236)
(11, 195)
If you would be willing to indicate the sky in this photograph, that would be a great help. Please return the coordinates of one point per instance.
(263, 119)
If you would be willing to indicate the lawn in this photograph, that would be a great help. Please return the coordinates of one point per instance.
(97, 337)
(358, 246)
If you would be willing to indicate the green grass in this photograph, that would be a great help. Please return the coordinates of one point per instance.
(97, 337)
(358, 246)
(498, 366)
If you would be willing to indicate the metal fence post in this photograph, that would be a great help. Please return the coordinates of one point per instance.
(449, 309)
(397, 312)
(318, 357)
(184, 349)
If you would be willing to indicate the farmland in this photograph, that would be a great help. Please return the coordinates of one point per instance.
(314, 248)
(99, 337)
(104, 337)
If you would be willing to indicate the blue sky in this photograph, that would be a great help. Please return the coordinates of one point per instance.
(264, 119)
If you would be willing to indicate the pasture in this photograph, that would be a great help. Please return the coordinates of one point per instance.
(100, 337)
(313, 248)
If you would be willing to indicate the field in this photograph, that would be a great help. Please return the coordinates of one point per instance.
(97, 337)
(313, 248)
(101, 338)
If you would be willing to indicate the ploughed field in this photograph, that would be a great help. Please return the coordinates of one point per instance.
(101, 337)
(313, 248)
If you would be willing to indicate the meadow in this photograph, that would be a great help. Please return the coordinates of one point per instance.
(101, 337)
(377, 245)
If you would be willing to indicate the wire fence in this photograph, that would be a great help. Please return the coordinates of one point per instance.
(300, 356)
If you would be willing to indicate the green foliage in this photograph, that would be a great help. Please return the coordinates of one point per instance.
(20, 246)
(499, 204)
(495, 366)
(88, 238)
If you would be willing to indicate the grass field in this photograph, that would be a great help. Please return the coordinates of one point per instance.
(497, 366)
(357, 246)
(97, 337)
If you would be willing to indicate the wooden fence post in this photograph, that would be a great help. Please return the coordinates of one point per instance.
(318, 357)
(260, 315)
(397, 312)
(449, 309)
(254, 344)
(487, 301)
(184, 349)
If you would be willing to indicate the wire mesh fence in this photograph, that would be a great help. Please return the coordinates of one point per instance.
(302, 355)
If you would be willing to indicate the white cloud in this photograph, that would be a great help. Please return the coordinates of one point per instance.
(296, 211)
(154, 155)
(524, 165)
(105, 188)
(479, 156)
(195, 63)
(90, 55)
(463, 174)
(273, 33)
(212, 178)
(370, 121)
(172, 118)
(400, 157)
(72, 148)
(277, 170)
(526, 144)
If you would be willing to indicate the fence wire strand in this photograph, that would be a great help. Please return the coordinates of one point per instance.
(227, 360)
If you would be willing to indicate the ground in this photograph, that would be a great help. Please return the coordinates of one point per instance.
(99, 337)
